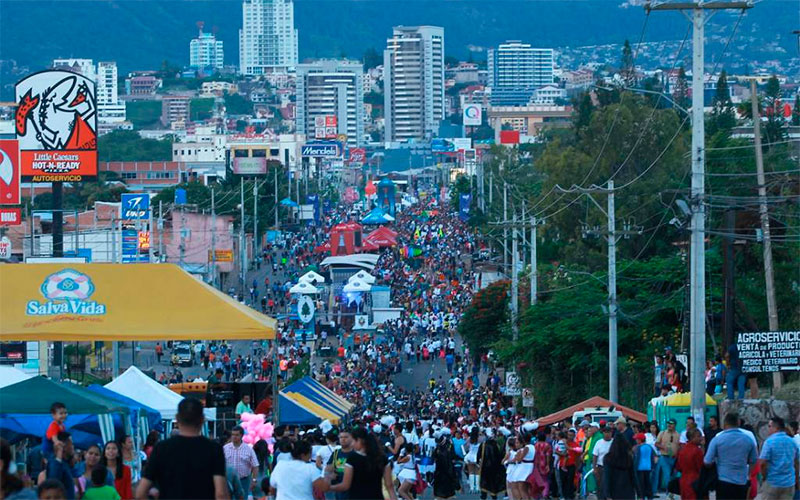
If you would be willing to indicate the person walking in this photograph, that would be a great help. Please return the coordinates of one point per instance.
(367, 472)
(297, 478)
(780, 463)
(644, 459)
(601, 449)
(667, 442)
(242, 459)
(620, 480)
(689, 462)
(446, 482)
(733, 451)
(186, 466)
(491, 476)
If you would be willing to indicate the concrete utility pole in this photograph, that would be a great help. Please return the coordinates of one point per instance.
(613, 384)
(505, 229)
(160, 232)
(242, 241)
(772, 306)
(277, 203)
(514, 282)
(183, 235)
(255, 219)
(697, 324)
(491, 187)
(213, 241)
(534, 271)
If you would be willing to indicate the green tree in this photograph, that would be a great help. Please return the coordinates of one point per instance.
(128, 145)
(775, 126)
(372, 58)
(796, 110)
(627, 67)
(680, 93)
(483, 319)
(583, 111)
(237, 104)
(451, 61)
(723, 116)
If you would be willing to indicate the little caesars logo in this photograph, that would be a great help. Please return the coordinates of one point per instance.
(67, 292)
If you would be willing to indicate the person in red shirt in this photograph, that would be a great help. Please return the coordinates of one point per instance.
(58, 411)
(689, 463)
(122, 473)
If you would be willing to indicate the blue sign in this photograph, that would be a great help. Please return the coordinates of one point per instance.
(180, 196)
(135, 206)
(131, 251)
(321, 150)
(464, 202)
(313, 199)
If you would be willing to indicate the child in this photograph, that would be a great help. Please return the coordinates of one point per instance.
(59, 413)
(100, 490)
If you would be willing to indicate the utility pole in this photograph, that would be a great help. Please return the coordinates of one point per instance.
(213, 241)
(160, 232)
(697, 323)
(183, 235)
(491, 187)
(277, 203)
(505, 229)
(255, 219)
(613, 384)
(534, 271)
(514, 281)
(772, 306)
(242, 241)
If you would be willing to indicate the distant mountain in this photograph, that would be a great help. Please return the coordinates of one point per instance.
(140, 34)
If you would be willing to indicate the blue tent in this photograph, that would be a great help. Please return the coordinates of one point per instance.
(307, 402)
(377, 216)
(147, 418)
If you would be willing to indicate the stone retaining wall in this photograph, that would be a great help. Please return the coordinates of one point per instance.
(757, 412)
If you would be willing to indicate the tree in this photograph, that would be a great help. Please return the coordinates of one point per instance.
(775, 126)
(128, 145)
(627, 68)
(236, 104)
(723, 116)
(372, 58)
(796, 110)
(485, 316)
(681, 92)
(451, 61)
(583, 111)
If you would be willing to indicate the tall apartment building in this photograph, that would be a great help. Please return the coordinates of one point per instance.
(82, 66)
(331, 88)
(110, 110)
(206, 52)
(413, 79)
(268, 39)
(515, 70)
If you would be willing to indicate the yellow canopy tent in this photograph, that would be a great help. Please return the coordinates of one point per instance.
(94, 302)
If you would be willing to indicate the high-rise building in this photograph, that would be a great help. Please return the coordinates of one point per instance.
(205, 52)
(83, 66)
(330, 100)
(268, 39)
(413, 79)
(110, 110)
(515, 70)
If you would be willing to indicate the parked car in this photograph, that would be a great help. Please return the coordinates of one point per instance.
(182, 355)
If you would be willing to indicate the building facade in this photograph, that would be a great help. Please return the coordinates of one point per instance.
(268, 38)
(206, 52)
(515, 70)
(331, 88)
(413, 65)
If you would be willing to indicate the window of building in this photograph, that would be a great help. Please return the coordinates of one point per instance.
(240, 153)
(128, 175)
(259, 153)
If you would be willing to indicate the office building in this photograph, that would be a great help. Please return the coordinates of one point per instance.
(330, 100)
(413, 79)
(515, 70)
(206, 52)
(83, 66)
(268, 39)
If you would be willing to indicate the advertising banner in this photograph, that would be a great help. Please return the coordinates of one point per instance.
(313, 200)
(5, 248)
(56, 125)
(464, 202)
(249, 166)
(222, 255)
(358, 155)
(135, 206)
(321, 150)
(10, 216)
(473, 115)
(9, 173)
(763, 352)
(513, 384)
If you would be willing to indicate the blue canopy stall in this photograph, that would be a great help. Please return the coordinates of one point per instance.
(307, 402)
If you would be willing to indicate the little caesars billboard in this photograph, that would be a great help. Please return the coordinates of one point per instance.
(56, 125)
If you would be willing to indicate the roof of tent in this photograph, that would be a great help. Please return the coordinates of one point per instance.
(356, 286)
(136, 385)
(35, 395)
(10, 375)
(312, 277)
(153, 415)
(595, 401)
(308, 399)
(363, 276)
(97, 302)
(304, 287)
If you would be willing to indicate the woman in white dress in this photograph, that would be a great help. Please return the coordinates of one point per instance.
(471, 459)
(524, 466)
(508, 461)
(407, 474)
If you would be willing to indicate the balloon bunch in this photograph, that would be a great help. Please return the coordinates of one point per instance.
(256, 429)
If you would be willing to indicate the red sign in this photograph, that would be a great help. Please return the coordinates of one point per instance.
(10, 216)
(144, 241)
(330, 120)
(509, 137)
(58, 166)
(357, 155)
(9, 173)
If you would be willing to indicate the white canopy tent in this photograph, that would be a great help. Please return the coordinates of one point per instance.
(136, 385)
(10, 375)
(356, 286)
(312, 277)
(363, 276)
(304, 288)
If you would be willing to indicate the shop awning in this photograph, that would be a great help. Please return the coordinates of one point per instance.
(308, 397)
(94, 302)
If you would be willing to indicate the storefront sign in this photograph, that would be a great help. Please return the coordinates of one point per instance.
(10, 216)
(763, 352)
(9, 173)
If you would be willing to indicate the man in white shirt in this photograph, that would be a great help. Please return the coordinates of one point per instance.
(690, 424)
(598, 454)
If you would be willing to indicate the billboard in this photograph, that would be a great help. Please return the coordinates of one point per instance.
(13, 352)
(221, 255)
(451, 145)
(10, 216)
(56, 125)
(321, 150)
(9, 173)
(135, 206)
(509, 137)
(769, 352)
(473, 115)
(358, 155)
(250, 166)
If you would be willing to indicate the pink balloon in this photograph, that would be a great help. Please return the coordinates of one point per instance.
(249, 439)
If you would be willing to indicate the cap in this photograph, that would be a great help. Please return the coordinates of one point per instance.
(639, 437)
(595, 425)
(603, 423)
(672, 421)
(584, 423)
(621, 420)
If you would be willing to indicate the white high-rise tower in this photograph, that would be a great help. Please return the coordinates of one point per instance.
(268, 38)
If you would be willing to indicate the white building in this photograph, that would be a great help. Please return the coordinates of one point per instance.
(331, 88)
(516, 69)
(268, 38)
(82, 66)
(413, 78)
(548, 95)
(110, 110)
(206, 52)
